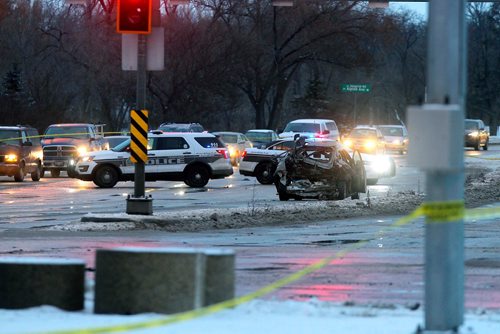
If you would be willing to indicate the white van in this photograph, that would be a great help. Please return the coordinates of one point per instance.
(312, 128)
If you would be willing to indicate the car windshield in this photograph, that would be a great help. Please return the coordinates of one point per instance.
(391, 131)
(68, 131)
(175, 128)
(229, 139)
(121, 147)
(358, 133)
(471, 125)
(259, 136)
(10, 137)
(113, 141)
(302, 127)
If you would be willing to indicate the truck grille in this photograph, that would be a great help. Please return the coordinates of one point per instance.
(59, 152)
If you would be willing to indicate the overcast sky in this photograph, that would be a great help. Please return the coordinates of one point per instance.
(419, 7)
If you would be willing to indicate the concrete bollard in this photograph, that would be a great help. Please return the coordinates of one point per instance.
(137, 280)
(219, 276)
(28, 282)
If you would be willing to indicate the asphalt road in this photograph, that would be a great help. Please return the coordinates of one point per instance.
(387, 270)
(61, 200)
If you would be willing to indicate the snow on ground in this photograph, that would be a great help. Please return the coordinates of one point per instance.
(482, 186)
(270, 316)
(258, 316)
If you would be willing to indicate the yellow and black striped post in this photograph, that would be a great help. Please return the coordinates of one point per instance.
(139, 136)
(139, 204)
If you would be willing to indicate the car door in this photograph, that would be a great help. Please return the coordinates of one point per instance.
(483, 134)
(359, 184)
(170, 155)
(26, 147)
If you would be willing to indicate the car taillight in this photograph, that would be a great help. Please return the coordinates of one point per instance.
(320, 135)
(223, 153)
(244, 154)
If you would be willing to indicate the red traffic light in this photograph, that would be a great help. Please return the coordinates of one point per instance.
(134, 16)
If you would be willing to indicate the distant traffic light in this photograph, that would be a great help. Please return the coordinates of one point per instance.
(134, 16)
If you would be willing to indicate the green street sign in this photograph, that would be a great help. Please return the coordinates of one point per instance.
(355, 88)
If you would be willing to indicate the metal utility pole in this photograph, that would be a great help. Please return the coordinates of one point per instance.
(444, 242)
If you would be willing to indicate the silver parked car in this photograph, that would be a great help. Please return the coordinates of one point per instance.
(236, 143)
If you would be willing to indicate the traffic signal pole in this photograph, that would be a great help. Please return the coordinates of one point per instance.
(135, 18)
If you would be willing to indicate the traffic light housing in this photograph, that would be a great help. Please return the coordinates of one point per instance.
(134, 16)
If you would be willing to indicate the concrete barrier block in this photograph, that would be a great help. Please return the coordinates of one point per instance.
(28, 282)
(138, 280)
(219, 276)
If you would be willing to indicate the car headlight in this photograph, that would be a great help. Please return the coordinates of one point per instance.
(474, 134)
(381, 165)
(348, 143)
(369, 144)
(81, 150)
(11, 158)
(396, 142)
(87, 158)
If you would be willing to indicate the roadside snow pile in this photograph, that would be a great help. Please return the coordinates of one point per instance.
(482, 186)
(257, 316)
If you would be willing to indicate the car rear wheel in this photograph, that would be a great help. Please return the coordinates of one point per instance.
(36, 175)
(196, 176)
(19, 176)
(106, 177)
(55, 172)
(264, 173)
(342, 185)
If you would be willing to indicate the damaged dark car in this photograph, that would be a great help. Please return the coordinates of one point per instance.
(322, 170)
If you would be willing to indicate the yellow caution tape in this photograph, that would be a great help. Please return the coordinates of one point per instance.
(443, 212)
(436, 212)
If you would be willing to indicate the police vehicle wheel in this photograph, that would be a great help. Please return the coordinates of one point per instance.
(55, 172)
(196, 176)
(264, 173)
(37, 174)
(106, 177)
(19, 176)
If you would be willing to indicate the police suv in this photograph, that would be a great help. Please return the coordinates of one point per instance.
(190, 157)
